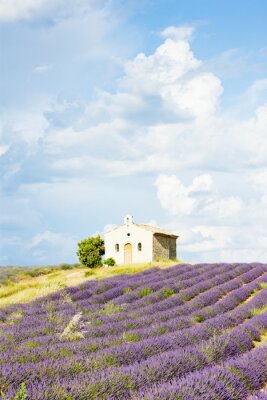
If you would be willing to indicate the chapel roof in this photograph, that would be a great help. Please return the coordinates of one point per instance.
(155, 230)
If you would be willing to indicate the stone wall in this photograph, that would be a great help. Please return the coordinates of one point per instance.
(164, 247)
(172, 247)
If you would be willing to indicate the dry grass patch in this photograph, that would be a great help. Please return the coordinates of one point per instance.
(28, 288)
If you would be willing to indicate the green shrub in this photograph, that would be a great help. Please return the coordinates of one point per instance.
(64, 352)
(31, 345)
(88, 273)
(21, 394)
(161, 330)
(76, 368)
(90, 251)
(111, 308)
(127, 290)
(97, 322)
(131, 337)
(110, 262)
(198, 317)
(65, 266)
(145, 291)
(168, 292)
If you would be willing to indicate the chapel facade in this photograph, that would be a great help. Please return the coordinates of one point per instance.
(138, 243)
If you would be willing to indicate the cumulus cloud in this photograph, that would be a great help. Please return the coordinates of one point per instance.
(200, 196)
(175, 197)
(210, 223)
(201, 183)
(179, 33)
(212, 238)
(173, 73)
(161, 122)
(160, 100)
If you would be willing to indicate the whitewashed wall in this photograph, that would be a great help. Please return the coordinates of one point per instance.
(119, 235)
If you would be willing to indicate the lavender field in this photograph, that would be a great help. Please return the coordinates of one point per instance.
(189, 332)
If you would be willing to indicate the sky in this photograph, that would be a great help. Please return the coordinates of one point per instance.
(154, 108)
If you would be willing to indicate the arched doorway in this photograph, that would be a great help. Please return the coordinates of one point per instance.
(128, 253)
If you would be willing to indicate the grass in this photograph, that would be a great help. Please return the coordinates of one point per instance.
(263, 339)
(110, 309)
(24, 285)
(145, 291)
(258, 311)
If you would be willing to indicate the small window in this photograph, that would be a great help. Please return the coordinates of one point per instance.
(117, 247)
(139, 246)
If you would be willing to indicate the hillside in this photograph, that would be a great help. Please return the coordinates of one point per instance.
(23, 284)
(186, 332)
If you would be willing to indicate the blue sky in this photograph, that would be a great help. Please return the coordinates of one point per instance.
(154, 108)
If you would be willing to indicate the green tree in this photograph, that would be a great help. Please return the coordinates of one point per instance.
(90, 251)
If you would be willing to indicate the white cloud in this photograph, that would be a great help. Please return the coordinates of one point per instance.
(3, 149)
(62, 245)
(199, 198)
(225, 207)
(170, 62)
(179, 33)
(11, 10)
(202, 183)
(57, 11)
(51, 237)
(260, 180)
(212, 238)
(195, 97)
(257, 87)
(166, 74)
(173, 195)
(128, 125)
(162, 118)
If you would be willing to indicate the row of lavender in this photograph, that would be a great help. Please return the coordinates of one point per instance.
(229, 302)
(150, 335)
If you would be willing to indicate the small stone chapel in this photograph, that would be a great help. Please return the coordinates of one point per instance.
(138, 243)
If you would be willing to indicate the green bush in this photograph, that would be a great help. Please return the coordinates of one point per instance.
(198, 317)
(131, 336)
(110, 309)
(90, 251)
(88, 273)
(145, 291)
(65, 266)
(110, 262)
(168, 292)
(127, 290)
(21, 394)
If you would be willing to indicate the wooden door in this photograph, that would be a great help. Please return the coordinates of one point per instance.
(128, 253)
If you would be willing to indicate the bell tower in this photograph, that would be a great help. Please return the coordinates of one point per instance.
(128, 220)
